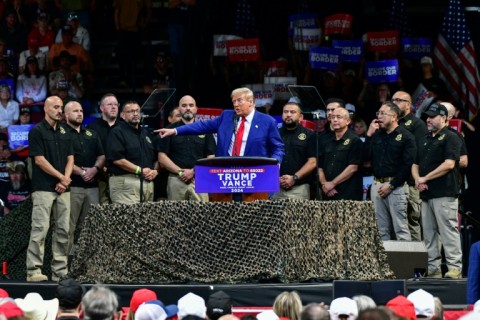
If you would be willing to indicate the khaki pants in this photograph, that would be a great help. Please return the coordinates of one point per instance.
(296, 192)
(104, 191)
(414, 210)
(80, 201)
(126, 189)
(46, 204)
(179, 190)
(440, 227)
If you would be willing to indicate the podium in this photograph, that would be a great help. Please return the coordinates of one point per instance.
(237, 178)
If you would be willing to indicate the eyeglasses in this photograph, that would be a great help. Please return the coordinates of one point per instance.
(397, 100)
(112, 104)
(383, 113)
(132, 111)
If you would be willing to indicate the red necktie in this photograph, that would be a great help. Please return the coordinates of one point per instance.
(237, 145)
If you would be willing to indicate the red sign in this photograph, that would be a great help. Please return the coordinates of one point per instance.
(338, 24)
(455, 124)
(207, 113)
(243, 50)
(384, 41)
(278, 68)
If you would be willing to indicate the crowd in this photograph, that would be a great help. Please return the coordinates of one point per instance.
(73, 301)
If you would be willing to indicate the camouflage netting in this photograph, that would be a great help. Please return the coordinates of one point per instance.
(227, 242)
(14, 236)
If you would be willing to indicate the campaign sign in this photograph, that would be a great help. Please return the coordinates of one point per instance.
(264, 94)
(338, 24)
(324, 58)
(207, 113)
(304, 39)
(302, 20)
(237, 179)
(243, 50)
(416, 48)
(280, 86)
(351, 50)
(220, 44)
(18, 135)
(383, 41)
(382, 71)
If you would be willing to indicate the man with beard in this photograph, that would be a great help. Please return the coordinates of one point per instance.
(178, 155)
(89, 161)
(131, 158)
(391, 150)
(418, 128)
(300, 155)
(102, 126)
(18, 190)
(435, 177)
(340, 155)
(52, 152)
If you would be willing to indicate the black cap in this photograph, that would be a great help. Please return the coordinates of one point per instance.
(69, 293)
(218, 304)
(25, 110)
(436, 110)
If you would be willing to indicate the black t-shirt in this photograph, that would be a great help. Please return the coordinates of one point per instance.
(102, 128)
(335, 156)
(432, 152)
(392, 154)
(185, 150)
(299, 146)
(132, 144)
(414, 125)
(55, 145)
(13, 198)
(87, 147)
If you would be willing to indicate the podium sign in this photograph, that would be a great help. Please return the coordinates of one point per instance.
(237, 175)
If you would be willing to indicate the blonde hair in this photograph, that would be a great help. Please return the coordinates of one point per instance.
(288, 304)
(246, 91)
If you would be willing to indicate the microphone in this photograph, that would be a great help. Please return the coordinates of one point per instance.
(235, 123)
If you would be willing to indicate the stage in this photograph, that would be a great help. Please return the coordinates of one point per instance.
(451, 292)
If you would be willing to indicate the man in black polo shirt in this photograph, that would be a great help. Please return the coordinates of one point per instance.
(300, 159)
(89, 162)
(178, 155)
(435, 177)
(102, 126)
(340, 155)
(52, 152)
(391, 150)
(131, 158)
(418, 128)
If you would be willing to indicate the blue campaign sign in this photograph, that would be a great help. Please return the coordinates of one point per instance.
(416, 48)
(18, 135)
(302, 20)
(382, 71)
(351, 50)
(324, 58)
(215, 179)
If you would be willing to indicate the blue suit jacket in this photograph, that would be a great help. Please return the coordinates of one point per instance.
(263, 139)
(473, 282)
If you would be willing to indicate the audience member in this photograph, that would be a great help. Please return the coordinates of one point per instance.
(364, 302)
(65, 72)
(339, 158)
(102, 126)
(218, 304)
(36, 308)
(5, 156)
(42, 33)
(315, 311)
(89, 160)
(439, 310)
(402, 307)
(33, 50)
(160, 76)
(380, 313)
(32, 84)
(69, 294)
(343, 309)
(9, 108)
(80, 34)
(13, 32)
(288, 304)
(18, 190)
(298, 165)
(139, 296)
(179, 154)
(424, 303)
(9, 310)
(62, 88)
(191, 305)
(155, 310)
(100, 303)
(10, 60)
(52, 152)
(360, 128)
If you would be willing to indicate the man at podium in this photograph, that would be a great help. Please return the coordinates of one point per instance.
(240, 132)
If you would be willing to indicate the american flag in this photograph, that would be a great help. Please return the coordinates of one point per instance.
(399, 20)
(454, 56)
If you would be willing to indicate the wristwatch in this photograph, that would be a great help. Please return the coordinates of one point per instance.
(295, 178)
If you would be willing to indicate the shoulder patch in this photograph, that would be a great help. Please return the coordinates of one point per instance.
(302, 136)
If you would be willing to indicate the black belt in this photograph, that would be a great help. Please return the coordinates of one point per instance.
(384, 179)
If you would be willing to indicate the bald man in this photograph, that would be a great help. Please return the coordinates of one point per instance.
(89, 162)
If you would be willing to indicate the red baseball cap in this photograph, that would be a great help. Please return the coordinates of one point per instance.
(140, 296)
(10, 310)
